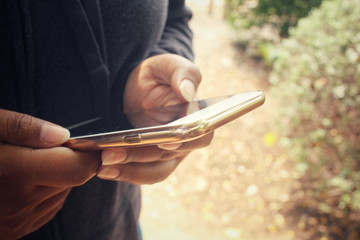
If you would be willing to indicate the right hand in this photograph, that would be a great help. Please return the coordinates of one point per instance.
(36, 172)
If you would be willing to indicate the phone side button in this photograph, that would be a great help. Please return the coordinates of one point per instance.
(132, 138)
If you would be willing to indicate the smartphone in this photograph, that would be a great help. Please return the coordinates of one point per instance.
(170, 124)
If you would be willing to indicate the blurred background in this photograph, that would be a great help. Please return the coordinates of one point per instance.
(290, 169)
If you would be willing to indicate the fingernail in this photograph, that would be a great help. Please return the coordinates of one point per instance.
(187, 89)
(170, 146)
(111, 157)
(53, 134)
(108, 173)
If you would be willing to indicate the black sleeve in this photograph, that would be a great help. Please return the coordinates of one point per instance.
(177, 36)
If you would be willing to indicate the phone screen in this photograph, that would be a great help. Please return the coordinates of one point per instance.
(141, 118)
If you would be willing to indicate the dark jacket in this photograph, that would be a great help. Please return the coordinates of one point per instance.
(67, 61)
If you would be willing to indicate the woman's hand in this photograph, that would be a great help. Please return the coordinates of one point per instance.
(36, 174)
(158, 81)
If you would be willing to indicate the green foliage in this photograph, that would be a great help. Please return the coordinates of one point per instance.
(282, 14)
(317, 75)
(267, 52)
(287, 12)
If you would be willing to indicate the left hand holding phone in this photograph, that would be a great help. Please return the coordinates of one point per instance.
(161, 80)
(36, 173)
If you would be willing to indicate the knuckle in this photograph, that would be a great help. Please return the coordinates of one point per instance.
(84, 168)
(134, 156)
(78, 178)
(194, 72)
(165, 155)
(124, 177)
(18, 127)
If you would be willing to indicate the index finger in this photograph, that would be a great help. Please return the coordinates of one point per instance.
(182, 74)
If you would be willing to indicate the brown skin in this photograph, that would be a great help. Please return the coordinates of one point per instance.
(153, 83)
(37, 173)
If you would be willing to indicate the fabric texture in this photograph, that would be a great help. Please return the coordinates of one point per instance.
(67, 61)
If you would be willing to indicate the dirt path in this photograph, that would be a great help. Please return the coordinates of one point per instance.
(234, 188)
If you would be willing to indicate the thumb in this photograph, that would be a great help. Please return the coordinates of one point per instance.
(185, 78)
(187, 90)
(21, 129)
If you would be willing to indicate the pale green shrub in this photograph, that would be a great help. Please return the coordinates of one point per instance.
(317, 77)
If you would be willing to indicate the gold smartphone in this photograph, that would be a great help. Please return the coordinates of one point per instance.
(170, 124)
